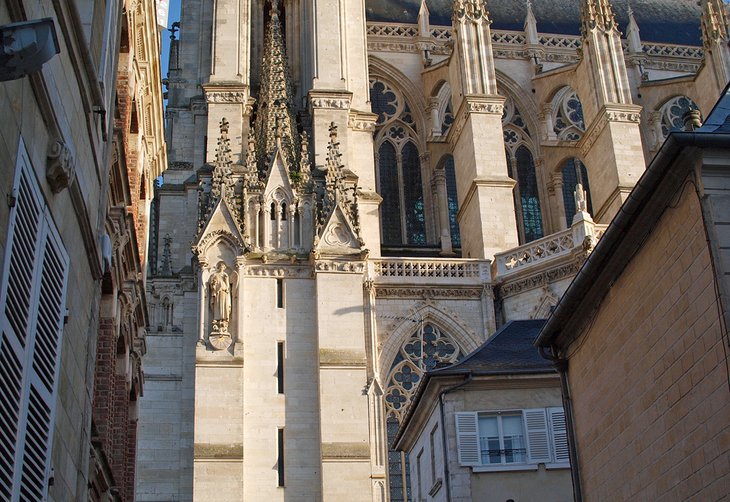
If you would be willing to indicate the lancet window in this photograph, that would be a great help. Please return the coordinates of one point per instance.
(398, 166)
(453, 201)
(521, 167)
(574, 172)
(567, 115)
(427, 347)
(672, 113)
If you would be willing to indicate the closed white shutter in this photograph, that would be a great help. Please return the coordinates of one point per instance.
(31, 320)
(536, 427)
(467, 438)
(559, 435)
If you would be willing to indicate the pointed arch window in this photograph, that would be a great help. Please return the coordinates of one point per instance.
(567, 115)
(426, 348)
(574, 172)
(453, 201)
(398, 165)
(521, 168)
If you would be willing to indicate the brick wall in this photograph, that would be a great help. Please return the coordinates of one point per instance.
(649, 377)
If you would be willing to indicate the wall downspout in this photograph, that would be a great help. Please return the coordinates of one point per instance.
(561, 365)
(444, 445)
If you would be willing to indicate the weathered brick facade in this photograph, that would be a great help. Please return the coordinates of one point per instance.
(649, 379)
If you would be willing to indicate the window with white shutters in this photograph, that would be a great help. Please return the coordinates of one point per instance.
(467, 438)
(538, 443)
(32, 299)
(559, 434)
(512, 439)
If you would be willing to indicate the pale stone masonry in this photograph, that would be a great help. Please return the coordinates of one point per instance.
(357, 193)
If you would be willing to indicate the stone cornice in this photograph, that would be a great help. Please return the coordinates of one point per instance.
(330, 99)
(505, 182)
(225, 92)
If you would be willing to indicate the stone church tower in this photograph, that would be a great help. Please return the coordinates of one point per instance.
(358, 193)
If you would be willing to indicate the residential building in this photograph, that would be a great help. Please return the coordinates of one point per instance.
(640, 336)
(344, 176)
(490, 427)
(66, 242)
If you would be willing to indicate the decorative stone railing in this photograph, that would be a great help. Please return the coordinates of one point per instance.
(540, 253)
(402, 37)
(430, 271)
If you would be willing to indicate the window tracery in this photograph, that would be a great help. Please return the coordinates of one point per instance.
(672, 114)
(398, 166)
(519, 150)
(567, 110)
(426, 348)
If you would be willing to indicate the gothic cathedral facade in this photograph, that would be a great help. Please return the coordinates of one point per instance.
(358, 193)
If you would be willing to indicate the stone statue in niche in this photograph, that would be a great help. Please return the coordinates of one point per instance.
(219, 286)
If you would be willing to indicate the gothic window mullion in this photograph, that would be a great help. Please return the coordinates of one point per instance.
(401, 194)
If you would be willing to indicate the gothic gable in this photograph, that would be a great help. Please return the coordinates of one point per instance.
(337, 236)
(221, 222)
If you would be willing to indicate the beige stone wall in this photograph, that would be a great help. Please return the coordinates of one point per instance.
(649, 377)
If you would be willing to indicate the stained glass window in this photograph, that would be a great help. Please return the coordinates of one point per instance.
(568, 121)
(399, 168)
(388, 177)
(450, 170)
(574, 172)
(529, 196)
(413, 195)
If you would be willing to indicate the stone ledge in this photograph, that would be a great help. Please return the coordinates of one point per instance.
(218, 451)
(337, 357)
(349, 451)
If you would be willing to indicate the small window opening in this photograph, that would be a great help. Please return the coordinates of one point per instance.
(280, 367)
(280, 461)
(280, 293)
(272, 211)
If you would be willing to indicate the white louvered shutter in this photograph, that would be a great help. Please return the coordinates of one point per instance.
(33, 307)
(467, 438)
(559, 434)
(16, 299)
(536, 428)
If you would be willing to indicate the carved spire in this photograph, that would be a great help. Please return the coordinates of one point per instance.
(275, 118)
(598, 14)
(632, 33)
(424, 26)
(471, 10)
(530, 26)
(222, 186)
(336, 191)
(305, 164)
(252, 176)
(714, 23)
(166, 267)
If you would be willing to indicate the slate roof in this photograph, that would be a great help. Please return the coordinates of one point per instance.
(665, 21)
(510, 350)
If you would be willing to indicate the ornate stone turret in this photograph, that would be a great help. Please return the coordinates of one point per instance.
(632, 33)
(275, 118)
(487, 218)
(530, 26)
(602, 45)
(715, 25)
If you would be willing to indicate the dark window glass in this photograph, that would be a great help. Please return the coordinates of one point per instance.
(413, 195)
(390, 207)
(453, 200)
(574, 172)
(529, 196)
(280, 460)
(280, 367)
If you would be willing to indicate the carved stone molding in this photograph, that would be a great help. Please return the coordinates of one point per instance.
(360, 121)
(427, 293)
(346, 267)
(235, 97)
(539, 280)
(331, 103)
(278, 271)
(60, 167)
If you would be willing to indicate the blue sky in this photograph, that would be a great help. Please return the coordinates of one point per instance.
(174, 16)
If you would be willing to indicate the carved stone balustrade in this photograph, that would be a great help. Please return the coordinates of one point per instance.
(430, 271)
